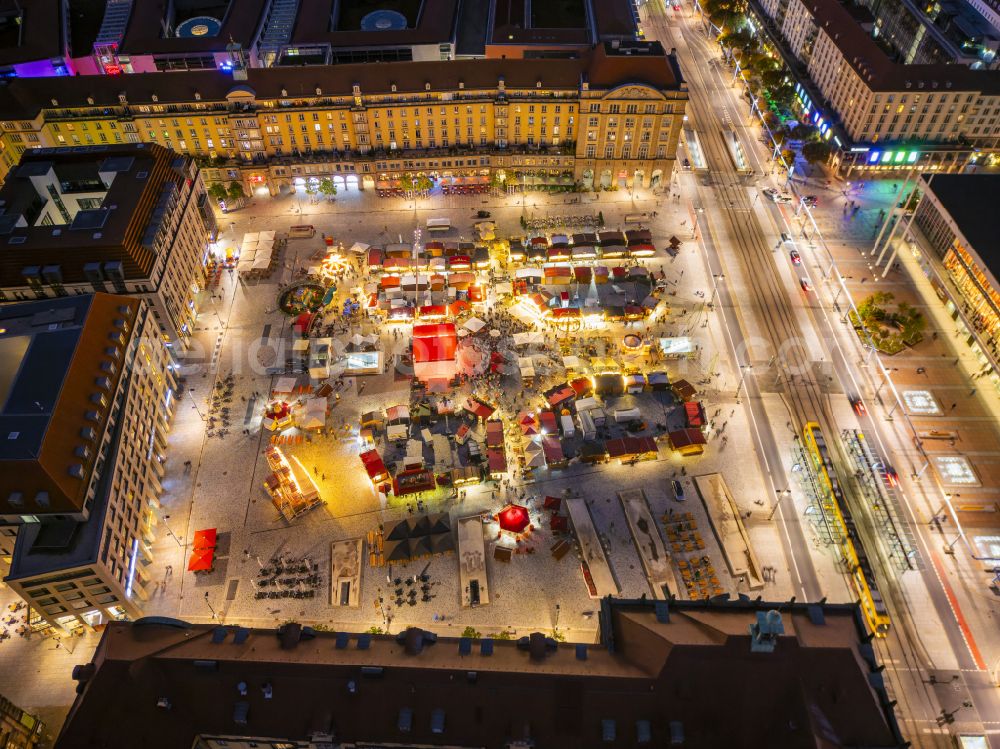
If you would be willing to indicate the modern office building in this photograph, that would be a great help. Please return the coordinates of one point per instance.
(86, 394)
(683, 673)
(952, 232)
(18, 729)
(610, 117)
(122, 218)
(882, 114)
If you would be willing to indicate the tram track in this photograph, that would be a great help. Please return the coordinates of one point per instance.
(901, 652)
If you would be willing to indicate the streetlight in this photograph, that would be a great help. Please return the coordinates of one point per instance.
(210, 607)
(746, 368)
(781, 496)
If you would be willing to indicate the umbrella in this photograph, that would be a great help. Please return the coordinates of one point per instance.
(514, 518)
(495, 333)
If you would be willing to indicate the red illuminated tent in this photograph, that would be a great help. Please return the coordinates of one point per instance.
(514, 518)
(374, 466)
(434, 347)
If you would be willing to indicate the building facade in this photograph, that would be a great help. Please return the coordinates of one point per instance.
(884, 115)
(609, 118)
(81, 479)
(953, 237)
(127, 219)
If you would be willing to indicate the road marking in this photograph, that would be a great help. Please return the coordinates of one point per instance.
(963, 627)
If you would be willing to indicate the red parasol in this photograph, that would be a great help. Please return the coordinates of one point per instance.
(514, 518)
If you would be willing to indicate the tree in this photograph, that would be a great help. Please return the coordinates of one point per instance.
(783, 96)
(804, 132)
(761, 62)
(770, 118)
(737, 39)
(600, 218)
(471, 633)
(772, 78)
(218, 191)
(236, 192)
(423, 183)
(816, 152)
(327, 188)
(406, 182)
(788, 157)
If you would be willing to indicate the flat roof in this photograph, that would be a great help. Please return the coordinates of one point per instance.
(51, 354)
(314, 25)
(970, 200)
(36, 36)
(113, 233)
(880, 72)
(144, 32)
(660, 666)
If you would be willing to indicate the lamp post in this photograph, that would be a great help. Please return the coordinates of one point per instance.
(746, 368)
(211, 608)
(716, 277)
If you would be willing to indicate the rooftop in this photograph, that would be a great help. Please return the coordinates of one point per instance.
(602, 65)
(970, 200)
(51, 354)
(428, 22)
(881, 73)
(29, 30)
(130, 179)
(221, 21)
(662, 669)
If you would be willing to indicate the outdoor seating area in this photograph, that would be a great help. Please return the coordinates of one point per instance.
(288, 578)
(696, 570)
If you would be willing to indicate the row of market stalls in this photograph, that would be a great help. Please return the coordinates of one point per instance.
(257, 253)
(583, 247)
(433, 255)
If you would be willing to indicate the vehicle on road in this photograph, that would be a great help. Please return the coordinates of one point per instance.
(810, 200)
(678, 490)
(891, 476)
(806, 286)
(482, 214)
(858, 405)
(777, 197)
(785, 237)
(795, 257)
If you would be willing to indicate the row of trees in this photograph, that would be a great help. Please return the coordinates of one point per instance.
(767, 79)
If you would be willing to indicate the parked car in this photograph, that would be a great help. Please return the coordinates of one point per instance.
(810, 200)
(678, 490)
(795, 257)
(806, 286)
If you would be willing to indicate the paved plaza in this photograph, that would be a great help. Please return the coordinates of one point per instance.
(215, 482)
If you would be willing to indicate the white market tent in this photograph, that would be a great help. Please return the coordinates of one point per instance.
(504, 288)
(284, 385)
(262, 263)
(251, 236)
(314, 414)
(267, 235)
(396, 432)
(529, 338)
(360, 247)
(474, 325)
(571, 362)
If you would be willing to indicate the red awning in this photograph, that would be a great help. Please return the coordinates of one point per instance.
(552, 503)
(630, 446)
(478, 408)
(201, 560)
(458, 307)
(565, 313)
(374, 466)
(558, 523)
(552, 449)
(692, 411)
(581, 385)
(434, 343)
(497, 460)
(432, 310)
(514, 518)
(548, 421)
(205, 539)
(682, 438)
(559, 394)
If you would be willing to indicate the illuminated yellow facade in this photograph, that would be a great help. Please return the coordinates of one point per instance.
(611, 119)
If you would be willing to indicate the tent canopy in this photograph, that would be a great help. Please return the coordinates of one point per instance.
(205, 539)
(514, 518)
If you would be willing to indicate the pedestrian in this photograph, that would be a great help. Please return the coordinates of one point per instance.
(954, 406)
